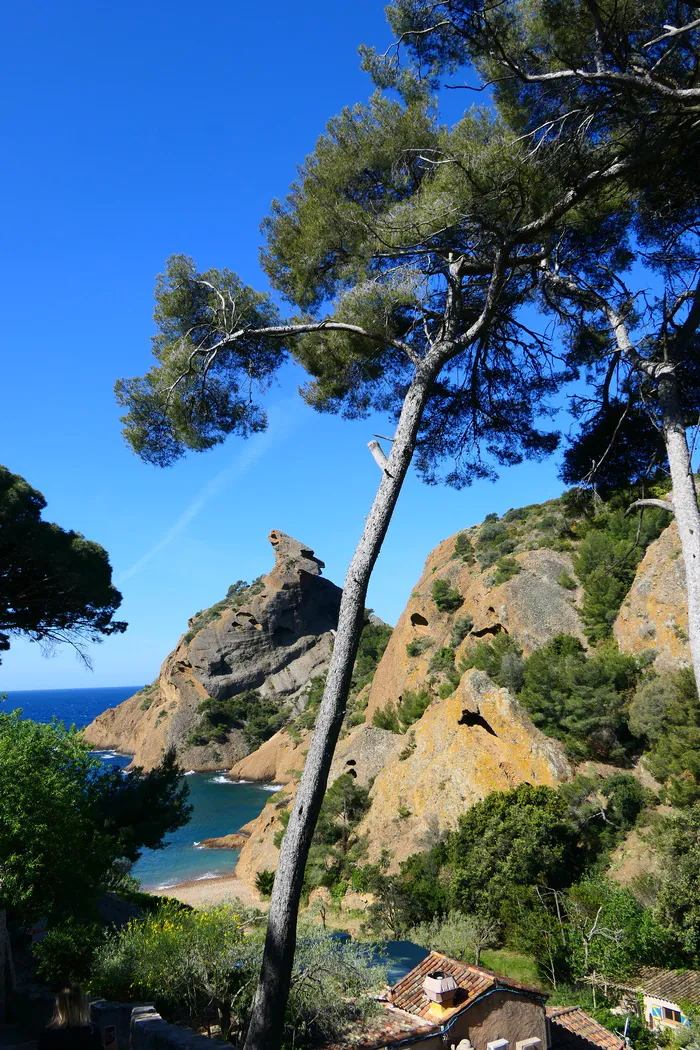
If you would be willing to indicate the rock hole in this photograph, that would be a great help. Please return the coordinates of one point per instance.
(352, 773)
(496, 628)
(418, 621)
(491, 610)
(351, 762)
(470, 719)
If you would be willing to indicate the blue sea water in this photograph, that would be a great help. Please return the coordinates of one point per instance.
(220, 805)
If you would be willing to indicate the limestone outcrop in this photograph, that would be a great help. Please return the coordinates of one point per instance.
(478, 738)
(363, 753)
(465, 746)
(278, 760)
(654, 616)
(532, 605)
(273, 636)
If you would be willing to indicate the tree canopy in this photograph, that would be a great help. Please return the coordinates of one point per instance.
(69, 828)
(55, 586)
(409, 230)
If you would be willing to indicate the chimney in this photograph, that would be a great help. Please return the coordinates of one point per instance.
(441, 990)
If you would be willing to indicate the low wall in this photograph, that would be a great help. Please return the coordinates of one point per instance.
(140, 1027)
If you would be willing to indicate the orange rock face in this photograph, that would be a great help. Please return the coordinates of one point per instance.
(533, 606)
(654, 616)
(278, 761)
(474, 742)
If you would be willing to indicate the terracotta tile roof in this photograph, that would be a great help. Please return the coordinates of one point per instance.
(389, 1026)
(473, 981)
(576, 1021)
(670, 985)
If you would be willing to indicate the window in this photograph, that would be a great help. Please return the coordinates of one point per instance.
(672, 1015)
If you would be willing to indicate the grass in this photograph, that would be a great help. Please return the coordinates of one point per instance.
(512, 964)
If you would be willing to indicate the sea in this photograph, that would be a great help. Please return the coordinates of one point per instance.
(221, 806)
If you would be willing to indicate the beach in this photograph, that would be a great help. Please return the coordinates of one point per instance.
(199, 893)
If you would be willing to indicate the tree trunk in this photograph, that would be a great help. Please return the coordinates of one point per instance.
(267, 1019)
(685, 505)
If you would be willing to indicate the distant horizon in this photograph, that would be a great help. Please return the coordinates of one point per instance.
(72, 689)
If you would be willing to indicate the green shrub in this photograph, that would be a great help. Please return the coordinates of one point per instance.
(506, 569)
(460, 630)
(464, 548)
(567, 581)
(201, 967)
(491, 517)
(665, 709)
(498, 658)
(386, 718)
(606, 563)
(581, 698)
(446, 597)
(412, 706)
(404, 812)
(264, 881)
(409, 748)
(516, 514)
(66, 953)
(258, 717)
(418, 645)
(446, 689)
(283, 817)
(443, 660)
(491, 532)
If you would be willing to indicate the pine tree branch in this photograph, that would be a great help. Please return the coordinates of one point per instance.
(662, 503)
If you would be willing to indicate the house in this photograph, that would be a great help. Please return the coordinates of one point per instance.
(442, 1003)
(572, 1029)
(660, 991)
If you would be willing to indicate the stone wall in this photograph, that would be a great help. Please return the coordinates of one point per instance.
(140, 1027)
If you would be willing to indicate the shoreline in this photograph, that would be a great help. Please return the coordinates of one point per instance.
(200, 892)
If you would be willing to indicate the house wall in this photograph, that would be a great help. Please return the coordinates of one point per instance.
(501, 1015)
(653, 1013)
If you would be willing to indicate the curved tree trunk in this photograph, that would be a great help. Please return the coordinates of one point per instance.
(685, 505)
(267, 1020)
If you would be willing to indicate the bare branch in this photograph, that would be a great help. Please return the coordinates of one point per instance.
(671, 31)
(378, 455)
(662, 503)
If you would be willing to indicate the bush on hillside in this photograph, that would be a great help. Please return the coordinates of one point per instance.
(446, 597)
(665, 709)
(464, 548)
(606, 562)
(506, 569)
(582, 699)
(417, 646)
(460, 630)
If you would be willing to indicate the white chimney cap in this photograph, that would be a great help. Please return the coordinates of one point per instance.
(439, 986)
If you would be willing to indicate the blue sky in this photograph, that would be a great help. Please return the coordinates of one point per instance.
(133, 131)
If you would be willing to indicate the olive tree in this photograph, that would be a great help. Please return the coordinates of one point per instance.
(407, 248)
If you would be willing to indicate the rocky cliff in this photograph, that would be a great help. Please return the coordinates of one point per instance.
(653, 620)
(514, 577)
(243, 666)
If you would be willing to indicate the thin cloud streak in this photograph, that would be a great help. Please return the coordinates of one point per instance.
(282, 425)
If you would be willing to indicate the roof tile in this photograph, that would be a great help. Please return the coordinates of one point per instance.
(577, 1022)
(408, 994)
